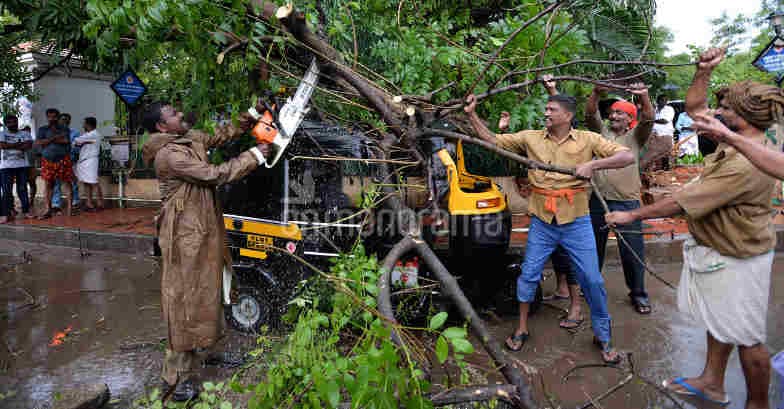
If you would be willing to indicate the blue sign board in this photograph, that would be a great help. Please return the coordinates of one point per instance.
(129, 87)
(771, 59)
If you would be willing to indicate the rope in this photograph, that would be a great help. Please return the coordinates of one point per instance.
(626, 243)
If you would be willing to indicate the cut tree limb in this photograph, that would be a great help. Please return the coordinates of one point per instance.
(481, 393)
(549, 9)
(532, 164)
(379, 99)
(452, 289)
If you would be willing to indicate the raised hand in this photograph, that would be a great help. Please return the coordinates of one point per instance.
(503, 121)
(246, 121)
(548, 81)
(470, 106)
(708, 125)
(638, 88)
(711, 58)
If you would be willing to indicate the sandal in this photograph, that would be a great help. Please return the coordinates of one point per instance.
(568, 323)
(608, 351)
(692, 391)
(555, 297)
(48, 215)
(516, 339)
(641, 304)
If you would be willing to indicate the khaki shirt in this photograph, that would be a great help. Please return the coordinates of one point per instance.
(729, 207)
(624, 183)
(579, 147)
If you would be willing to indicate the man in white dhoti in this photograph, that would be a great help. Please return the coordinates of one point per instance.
(86, 169)
(725, 282)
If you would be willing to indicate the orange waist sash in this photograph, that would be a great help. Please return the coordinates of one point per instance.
(551, 203)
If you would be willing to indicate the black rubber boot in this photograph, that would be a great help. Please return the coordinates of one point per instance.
(186, 390)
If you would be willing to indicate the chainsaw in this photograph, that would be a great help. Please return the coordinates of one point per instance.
(278, 127)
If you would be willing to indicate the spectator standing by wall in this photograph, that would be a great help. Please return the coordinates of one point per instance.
(656, 153)
(687, 140)
(32, 171)
(56, 159)
(65, 120)
(86, 169)
(13, 165)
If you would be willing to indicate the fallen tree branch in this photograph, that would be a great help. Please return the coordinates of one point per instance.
(474, 394)
(457, 103)
(595, 62)
(609, 392)
(452, 289)
(379, 99)
(530, 21)
(530, 163)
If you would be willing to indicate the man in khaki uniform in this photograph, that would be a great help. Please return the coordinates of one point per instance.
(621, 187)
(725, 281)
(191, 234)
(559, 207)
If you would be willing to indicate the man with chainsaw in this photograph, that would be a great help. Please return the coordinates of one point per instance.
(191, 233)
(559, 208)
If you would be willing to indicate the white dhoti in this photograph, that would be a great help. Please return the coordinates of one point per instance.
(86, 170)
(727, 296)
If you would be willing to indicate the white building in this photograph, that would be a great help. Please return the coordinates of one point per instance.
(69, 88)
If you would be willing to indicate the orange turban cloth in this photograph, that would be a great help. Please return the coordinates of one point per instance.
(629, 108)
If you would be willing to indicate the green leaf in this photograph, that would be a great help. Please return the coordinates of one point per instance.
(462, 346)
(333, 394)
(225, 405)
(442, 349)
(209, 386)
(454, 332)
(438, 320)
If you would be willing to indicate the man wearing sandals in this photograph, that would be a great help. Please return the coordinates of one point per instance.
(559, 207)
(56, 160)
(621, 187)
(725, 282)
(567, 287)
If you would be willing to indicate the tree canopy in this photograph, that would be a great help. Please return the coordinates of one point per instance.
(212, 54)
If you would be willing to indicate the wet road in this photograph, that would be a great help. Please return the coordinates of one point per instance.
(111, 304)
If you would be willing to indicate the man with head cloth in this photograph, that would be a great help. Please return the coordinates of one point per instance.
(621, 187)
(725, 281)
(559, 208)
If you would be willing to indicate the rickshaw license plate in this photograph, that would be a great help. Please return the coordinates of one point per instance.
(259, 242)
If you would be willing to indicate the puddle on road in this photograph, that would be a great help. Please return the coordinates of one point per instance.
(103, 300)
(111, 303)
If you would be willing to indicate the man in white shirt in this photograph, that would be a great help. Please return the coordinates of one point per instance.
(86, 169)
(687, 140)
(13, 167)
(656, 154)
(665, 114)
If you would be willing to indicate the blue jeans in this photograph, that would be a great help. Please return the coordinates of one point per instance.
(577, 240)
(2, 194)
(7, 179)
(633, 270)
(57, 193)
